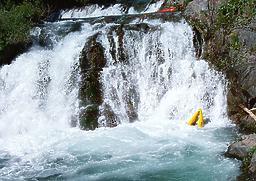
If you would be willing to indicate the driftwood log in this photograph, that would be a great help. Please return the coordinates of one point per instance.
(248, 111)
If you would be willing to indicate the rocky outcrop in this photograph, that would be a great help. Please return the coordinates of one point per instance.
(229, 45)
(245, 150)
(242, 149)
(91, 61)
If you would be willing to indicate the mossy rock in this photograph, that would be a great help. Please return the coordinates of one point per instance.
(89, 117)
(92, 61)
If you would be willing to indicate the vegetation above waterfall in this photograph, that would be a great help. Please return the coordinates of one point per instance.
(18, 17)
(16, 20)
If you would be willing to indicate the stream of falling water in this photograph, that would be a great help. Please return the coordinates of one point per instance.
(166, 85)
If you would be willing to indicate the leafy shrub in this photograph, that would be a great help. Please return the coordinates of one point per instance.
(236, 11)
(16, 21)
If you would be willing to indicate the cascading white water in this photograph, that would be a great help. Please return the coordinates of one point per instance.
(97, 11)
(165, 83)
(169, 81)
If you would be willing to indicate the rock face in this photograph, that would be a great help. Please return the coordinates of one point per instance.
(91, 61)
(230, 49)
(230, 46)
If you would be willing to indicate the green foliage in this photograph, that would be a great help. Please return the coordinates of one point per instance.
(247, 160)
(18, 16)
(236, 11)
(16, 21)
(235, 43)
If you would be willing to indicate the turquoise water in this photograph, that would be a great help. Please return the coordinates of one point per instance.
(126, 153)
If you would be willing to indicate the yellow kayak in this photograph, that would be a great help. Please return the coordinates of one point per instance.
(194, 119)
(200, 122)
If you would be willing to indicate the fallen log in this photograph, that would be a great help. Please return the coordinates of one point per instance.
(248, 111)
(253, 109)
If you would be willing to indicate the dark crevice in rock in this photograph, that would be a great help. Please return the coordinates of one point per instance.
(112, 46)
(131, 100)
(122, 55)
(198, 42)
(252, 102)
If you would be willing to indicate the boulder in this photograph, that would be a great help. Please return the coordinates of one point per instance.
(196, 13)
(241, 149)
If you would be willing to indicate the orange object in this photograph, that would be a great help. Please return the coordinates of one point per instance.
(170, 9)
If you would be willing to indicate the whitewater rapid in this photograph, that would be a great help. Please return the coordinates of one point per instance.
(39, 100)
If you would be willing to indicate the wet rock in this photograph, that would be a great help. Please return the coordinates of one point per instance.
(241, 149)
(110, 119)
(117, 49)
(91, 61)
(142, 27)
(45, 40)
(47, 36)
(122, 54)
(89, 117)
(131, 103)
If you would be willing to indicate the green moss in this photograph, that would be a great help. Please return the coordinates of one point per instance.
(235, 43)
(89, 118)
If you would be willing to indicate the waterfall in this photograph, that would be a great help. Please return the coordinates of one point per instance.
(162, 78)
(152, 83)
